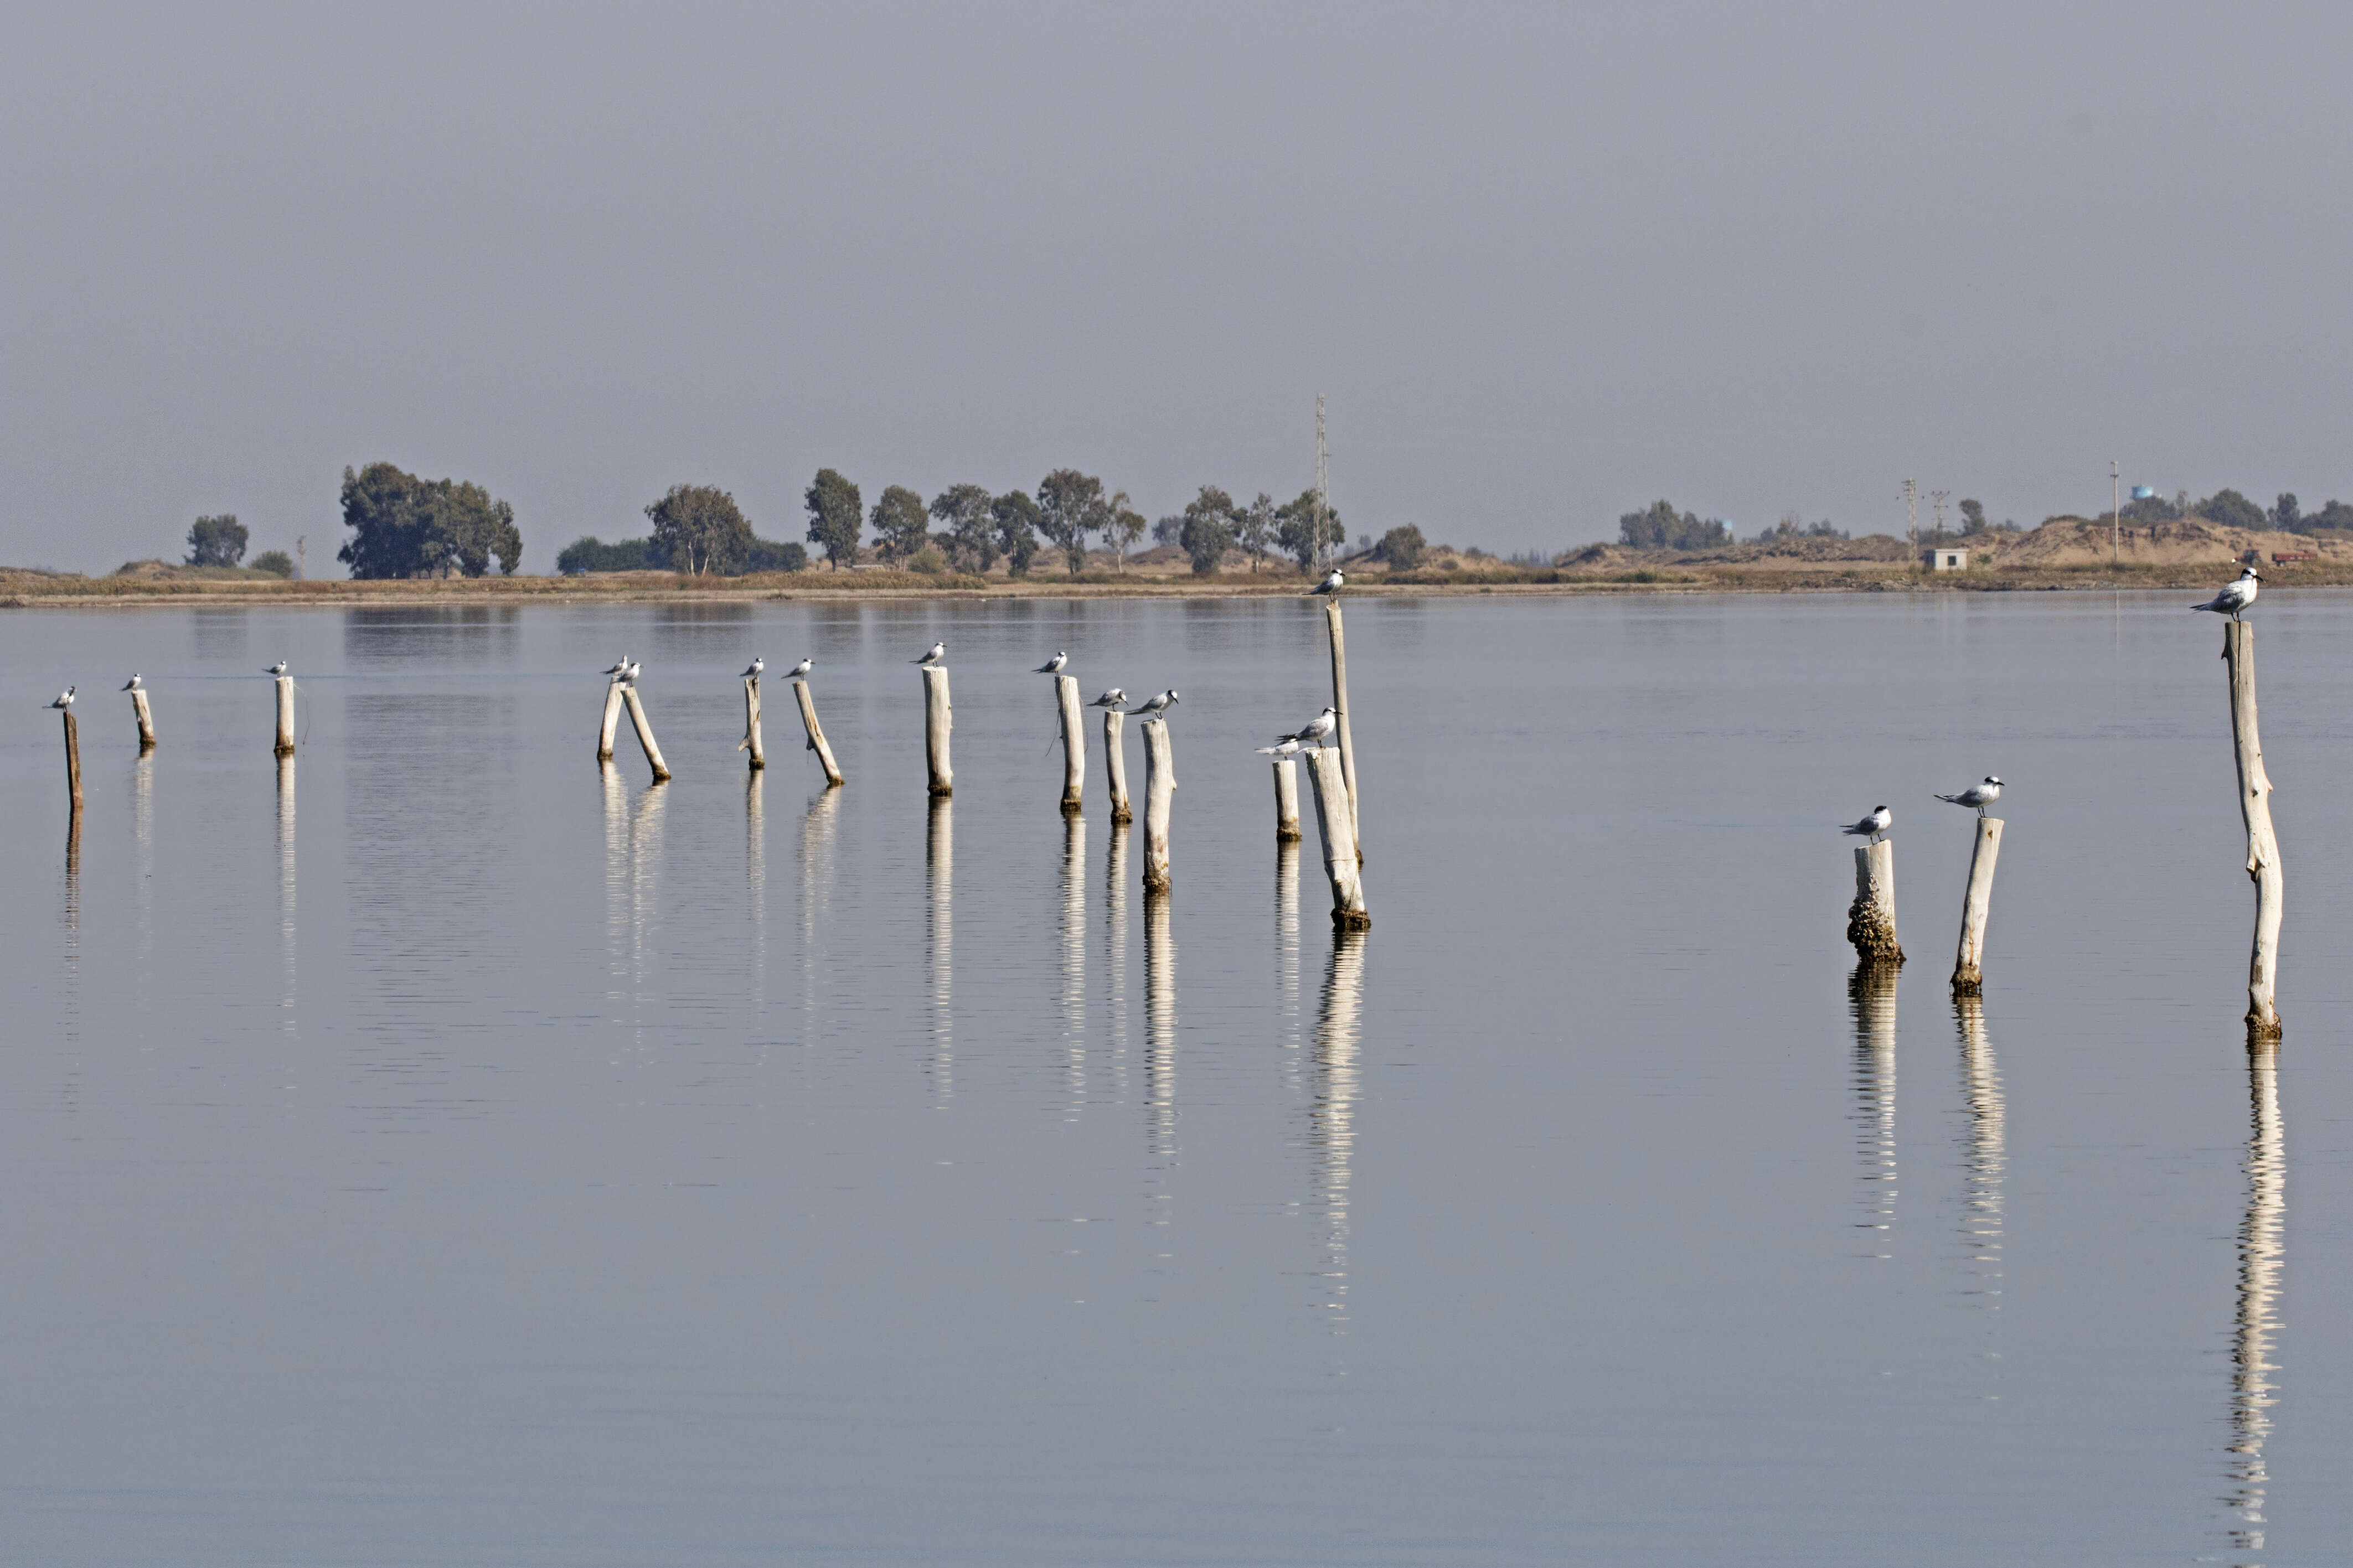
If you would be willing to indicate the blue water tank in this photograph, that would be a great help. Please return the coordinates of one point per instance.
(2144, 492)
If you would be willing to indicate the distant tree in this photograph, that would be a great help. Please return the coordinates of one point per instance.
(216, 540)
(2286, 516)
(2149, 509)
(277, 562)
(1973, 517)
(1207, 532)
(589, 554)
(900, 526)
(770, 555)
(1660, 527)
(1297, 530)
(1127, 526)
(1254, 527)
(1166, 530)
(1071, 505)
(403, 526)
(2335, 515)
(1793, 526)
(2231, 509)
(970, 519)
(699, 529)
(1401, 547)
(834, 523)
(1015, 517)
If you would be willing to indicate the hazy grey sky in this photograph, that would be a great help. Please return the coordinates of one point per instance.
(1547, 263)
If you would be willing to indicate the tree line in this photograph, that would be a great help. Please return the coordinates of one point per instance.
(966, 527)
(2231, 509)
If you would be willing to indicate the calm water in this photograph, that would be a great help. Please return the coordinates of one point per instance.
(441, 1152)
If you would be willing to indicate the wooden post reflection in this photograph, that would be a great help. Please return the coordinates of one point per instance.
(286, 887)
(1981, 1209)
(1870, 993)
(1332, 1115)
(1074, 959)
(756, 878)
(1159, 1024)
(817, 827)
(1286, 938)
(2262, 1254)
(939, 862)
(1115, 954)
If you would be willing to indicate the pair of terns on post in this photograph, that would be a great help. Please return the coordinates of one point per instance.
(1980, 795)
(752, 672)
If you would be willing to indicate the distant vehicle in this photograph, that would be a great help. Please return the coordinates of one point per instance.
(2281, 557)
(2252, 558)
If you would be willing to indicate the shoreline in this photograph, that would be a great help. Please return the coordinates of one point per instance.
(26, 591)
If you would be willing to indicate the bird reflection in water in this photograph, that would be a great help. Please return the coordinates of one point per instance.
(1159, 1027)
(1332, 1110)
(939, 860)
(817, 827)
(2260, 1256)
(1116, 958)
(285, 945)
(1987, 1156)
(1871, 992)
(1073, 933)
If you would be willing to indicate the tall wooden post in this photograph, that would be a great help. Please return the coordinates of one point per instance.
(285, 716)
(751, 740)
(1342, 864)
(1115, 763)
(1871, 918)
(645, 733)
(939, 717)
(1968, 978)
(146, 719)
(612, 721)
(1074, 744)
(816, 734)
(2263, 845)
(1340, 707)
(73, 762)
(1160, 787)
(1286, 801)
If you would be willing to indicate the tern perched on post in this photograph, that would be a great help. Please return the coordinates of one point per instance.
(629, 676)
(1317, 731)
(1982, 794)
(756, 665)
(2234, 596)
(1330, 584)
(278, 668)
(1052, 666)
(64, 699)
(939, 651)
(1156, 706)
(132, 684)
(620, 667)
(1872, 826)
(803, 668)
(1114, 698)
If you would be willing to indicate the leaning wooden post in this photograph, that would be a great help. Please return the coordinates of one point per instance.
(938, 719)
(1115, 763)
(285, 747)
(1074, 744)
(1327, 772)
(1969, 980)
(146, 719)
(2262, 846)
(612, 721)
(1871, 918)
(73, 762)
(645, 733)
(815, 734)
(1286, 801)
(1159, 784)
(1340, 707)
(751, 740)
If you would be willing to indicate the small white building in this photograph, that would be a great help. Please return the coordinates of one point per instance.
(1946, 560)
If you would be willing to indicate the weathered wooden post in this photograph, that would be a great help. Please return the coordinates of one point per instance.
(73, 762)
(146, 719)
(751, 740)
(1115, 763)
(1159, 786)
(1328, 772)
(1074, 744)
(285, 716)
(1340, 707)
(645, 733)
(1286, 801)
(1871, 918)
(2263, 845)
(938, 719)
(816, 734)
(1969, 980)
(612, 719)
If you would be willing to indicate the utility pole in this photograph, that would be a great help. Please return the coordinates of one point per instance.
(302, 555)
(1937, 505)
(2116, 506)
(1912, 514)
(1323, 484)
